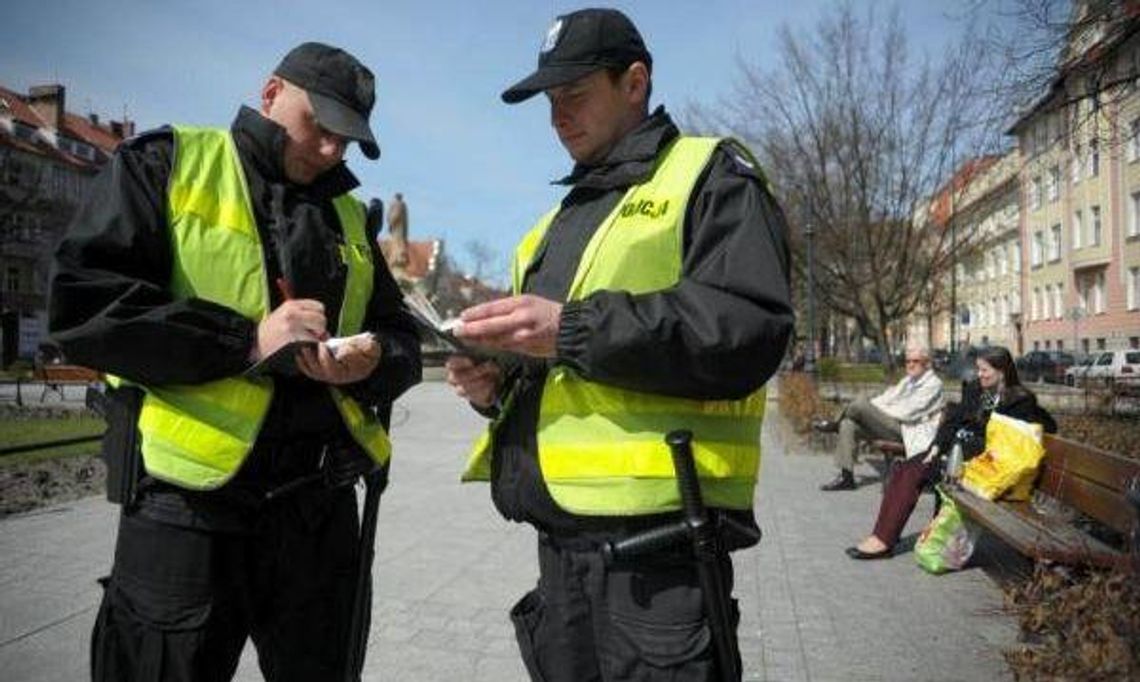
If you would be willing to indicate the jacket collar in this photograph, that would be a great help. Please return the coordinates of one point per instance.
(632, 159)
(261, 144)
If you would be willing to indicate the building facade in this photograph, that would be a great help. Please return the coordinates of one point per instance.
(47, 158)
(989, 271)
(978, 301)
(1080, 193)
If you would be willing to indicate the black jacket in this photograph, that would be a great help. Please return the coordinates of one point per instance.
(718, 334)
(112, 310)
(967, 419)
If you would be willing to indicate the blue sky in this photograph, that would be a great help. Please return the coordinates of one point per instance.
(469, 166)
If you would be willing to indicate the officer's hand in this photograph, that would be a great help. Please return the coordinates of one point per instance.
(524, 324)
(477, 382)
(352, 361)
(299, 320)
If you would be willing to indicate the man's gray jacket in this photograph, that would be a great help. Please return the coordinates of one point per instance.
(917, 404)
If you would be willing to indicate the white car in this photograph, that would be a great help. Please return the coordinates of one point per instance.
(1078, 373)
(1115, 365)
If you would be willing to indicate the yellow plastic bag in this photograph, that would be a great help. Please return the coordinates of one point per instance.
(1009, 463)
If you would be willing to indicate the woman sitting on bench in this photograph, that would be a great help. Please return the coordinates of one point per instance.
(997, 389)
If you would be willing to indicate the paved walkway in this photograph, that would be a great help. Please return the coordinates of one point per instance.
(447, 576)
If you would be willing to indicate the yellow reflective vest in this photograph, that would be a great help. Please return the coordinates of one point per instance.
(601, 449)
(197, 436)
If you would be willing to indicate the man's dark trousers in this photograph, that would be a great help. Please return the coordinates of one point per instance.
(181, 602)
(638, 621)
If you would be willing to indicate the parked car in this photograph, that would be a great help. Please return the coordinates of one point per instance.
(1044, 365)
(940, 358)
(1078, 373)
(1115, 365)
(961, 366)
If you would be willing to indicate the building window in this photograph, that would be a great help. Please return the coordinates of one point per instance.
(1037, 252)
(1094, 158)
(1133, 289)
(1017, 255)
(1055, 243)
(1134, 140)
(1094, 234)
(1098, 294)
(1036, 345)
(1100, 345)
(1015, 302)
(1077, 228)
(1134, 219)
(1002, 257)
(1134, 342)
(1035, 304)
(1035, 193)
(12, 280)
(1054, 183)
(1058, 301)
(1075, 164)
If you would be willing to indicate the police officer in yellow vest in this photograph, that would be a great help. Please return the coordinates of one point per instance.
(198, 258)
(653, 296)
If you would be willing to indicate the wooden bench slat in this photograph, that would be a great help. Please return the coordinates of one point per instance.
(72, 373)
(1108, 469)
(1034, 535)
(1106, 505)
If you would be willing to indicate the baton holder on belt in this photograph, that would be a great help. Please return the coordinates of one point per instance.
(703, 537)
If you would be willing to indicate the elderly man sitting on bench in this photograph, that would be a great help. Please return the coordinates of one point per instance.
(906, 412)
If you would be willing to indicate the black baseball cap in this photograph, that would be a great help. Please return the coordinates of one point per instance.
(341, 90)
(576, 45)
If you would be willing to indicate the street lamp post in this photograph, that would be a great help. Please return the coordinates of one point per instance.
(953, 278)
(1075, 314)
(809, 355)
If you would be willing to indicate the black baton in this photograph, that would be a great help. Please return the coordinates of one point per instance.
(374, 482)
(701, 532)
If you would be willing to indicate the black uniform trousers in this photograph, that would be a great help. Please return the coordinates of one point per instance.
(636, 621)
(180, 601)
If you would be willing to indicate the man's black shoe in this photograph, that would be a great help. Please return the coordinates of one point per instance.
(844, 481)
(825, 426)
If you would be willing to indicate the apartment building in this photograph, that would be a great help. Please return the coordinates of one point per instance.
(978, 215)
(47, 157)
(1080, 194)
(989, 272)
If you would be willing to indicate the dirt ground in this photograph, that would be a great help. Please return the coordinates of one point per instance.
(24, 487)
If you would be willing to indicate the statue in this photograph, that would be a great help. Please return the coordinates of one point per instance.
(398, 229)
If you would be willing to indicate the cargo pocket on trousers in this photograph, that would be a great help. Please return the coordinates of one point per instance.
(526, 615)
(140, 635)
(641, 649)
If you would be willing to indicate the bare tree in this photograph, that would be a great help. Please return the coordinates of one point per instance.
(856, 138)
(487, 264)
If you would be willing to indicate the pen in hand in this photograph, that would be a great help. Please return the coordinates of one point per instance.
(286, 289)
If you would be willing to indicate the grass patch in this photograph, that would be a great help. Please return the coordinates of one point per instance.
(831, 369)
(866, 374)
(25, 431)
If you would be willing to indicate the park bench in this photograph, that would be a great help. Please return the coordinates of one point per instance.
(55, 377)
(1075, 484)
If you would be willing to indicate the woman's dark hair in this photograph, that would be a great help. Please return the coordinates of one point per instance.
(1000, 359)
